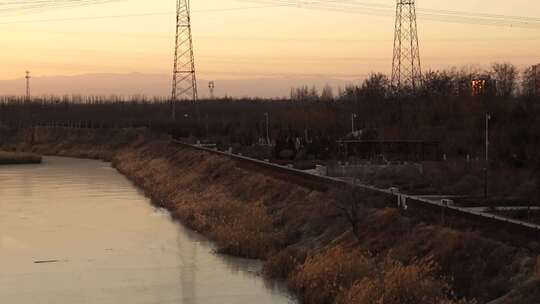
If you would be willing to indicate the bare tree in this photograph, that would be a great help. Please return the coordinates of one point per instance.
(313, 93)
(351, 93)
(348, 203)
(375, 86)
(300, 94)
(528, 82)
(438, 83)
(506, 76)
(327, 93)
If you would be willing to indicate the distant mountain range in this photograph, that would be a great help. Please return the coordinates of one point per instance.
(160, 85)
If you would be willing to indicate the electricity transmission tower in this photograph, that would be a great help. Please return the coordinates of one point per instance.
(406, 70)
(27, 77)
(184, 86)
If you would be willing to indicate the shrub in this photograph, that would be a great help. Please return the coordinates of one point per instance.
(396, 283)
(248, 234)
(283, 263)
(323, 276)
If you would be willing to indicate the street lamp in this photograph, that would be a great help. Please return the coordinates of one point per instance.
(267, 128)
(353, 116)
(206, 123)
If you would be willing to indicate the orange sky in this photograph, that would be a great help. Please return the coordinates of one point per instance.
(253, 42)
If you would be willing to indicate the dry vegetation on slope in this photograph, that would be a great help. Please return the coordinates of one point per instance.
(304, 238)
(307, 242)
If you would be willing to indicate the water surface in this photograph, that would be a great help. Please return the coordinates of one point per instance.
(77, 232)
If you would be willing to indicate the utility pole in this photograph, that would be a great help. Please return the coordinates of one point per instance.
(211, 86)
(184, 86)
(206, 123)
(406, 68)
(27, 86)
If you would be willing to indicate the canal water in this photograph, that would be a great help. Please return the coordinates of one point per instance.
(77, 232)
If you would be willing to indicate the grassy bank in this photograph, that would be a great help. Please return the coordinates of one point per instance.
(307, 242)
(17, 158)
(302, 233)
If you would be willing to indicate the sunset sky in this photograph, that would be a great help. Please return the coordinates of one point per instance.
(258, 41)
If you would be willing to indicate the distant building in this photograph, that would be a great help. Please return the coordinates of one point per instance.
(483, 85)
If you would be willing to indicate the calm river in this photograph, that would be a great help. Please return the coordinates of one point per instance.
(75, 232)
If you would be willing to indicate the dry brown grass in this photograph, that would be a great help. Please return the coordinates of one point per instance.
(322, 277)
(283, 263)
(395, 283)
(211, 196)
(248, 233)
(255, 213)
(347, 276)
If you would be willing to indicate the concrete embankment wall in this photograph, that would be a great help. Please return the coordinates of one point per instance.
(296, 226)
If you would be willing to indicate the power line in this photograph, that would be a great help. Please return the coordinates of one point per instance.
(140, 15)
(90, 18)
(433, 11)
(356, 7)
(347, 6)
(284, 39)
(10, 8)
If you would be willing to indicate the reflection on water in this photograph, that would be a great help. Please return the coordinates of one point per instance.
(75, 231)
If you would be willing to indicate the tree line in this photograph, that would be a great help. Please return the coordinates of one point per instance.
(444, 110)
(508, 81)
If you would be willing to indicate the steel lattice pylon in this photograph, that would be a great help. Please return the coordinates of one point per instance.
(184, 86)
(406, 69)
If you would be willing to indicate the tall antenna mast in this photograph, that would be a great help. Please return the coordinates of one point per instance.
(406, 69)
(27, 86)
(184, 86)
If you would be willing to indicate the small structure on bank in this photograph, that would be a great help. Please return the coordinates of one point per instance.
(483, 85)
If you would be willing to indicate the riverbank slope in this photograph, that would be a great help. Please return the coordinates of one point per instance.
(301, 229)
